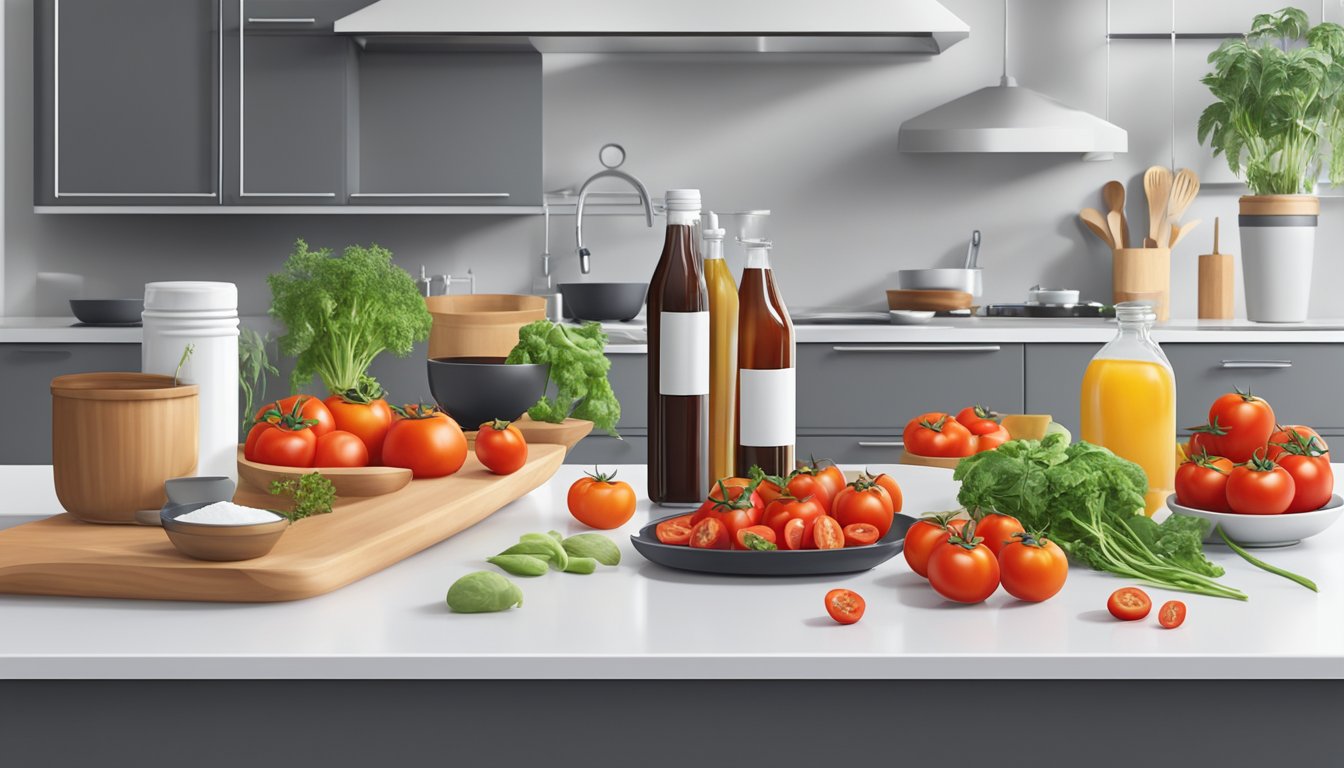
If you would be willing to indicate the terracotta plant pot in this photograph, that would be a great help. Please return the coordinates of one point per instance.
(115, 439)
(1278, 245)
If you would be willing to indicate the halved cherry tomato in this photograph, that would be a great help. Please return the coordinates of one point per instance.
(792, 536)
(735, 506)
(1172, 614)
(710, 533)
(924, 536)
(764, 531)
(825, 533)
(676, 530)
(997, 530)
(844, 606)
(860, 535)
(893, 490)
(1129, 604)
(787, 508)
(864, 501)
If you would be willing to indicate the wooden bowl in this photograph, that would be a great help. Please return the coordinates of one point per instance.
(940, 462)
(481, 324)
(222, 543)
(928, 301)
(348, 481)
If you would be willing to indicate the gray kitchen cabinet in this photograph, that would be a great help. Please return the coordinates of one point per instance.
(27, 371)
(1055, 380)
(438, 128)
(861, 449)
(600, 449)
(127, 101)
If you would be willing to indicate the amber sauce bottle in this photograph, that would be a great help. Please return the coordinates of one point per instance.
(678, 334)
(766, 389)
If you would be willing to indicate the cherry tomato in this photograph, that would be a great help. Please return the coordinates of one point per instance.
(804, 483)
(601, 501)
(1260, 487)
(1313, 481)
(963, 571)
(710, 533)
(824, 533)
(1129, 604)
(864, 501)
(860, 535)
(794, 532)
(787, 508)
(764, 531)
(844, 606)
(1172, 614)
(1033, 568)
(1298, 439)
(938, 434)
(501, 447)
(284, 447)
(893, 490)
(676, 530)
(991, 440)
(1201, 483)
(978, 419)
(997, 530)
(1241, 423)
(425, 441)
(340, 449)
(924, 536)
(737, 507)
(313, 410)
(367, 419)
(829, 474)
(1202, 442)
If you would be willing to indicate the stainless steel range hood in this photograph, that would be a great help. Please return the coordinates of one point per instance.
(684, 26)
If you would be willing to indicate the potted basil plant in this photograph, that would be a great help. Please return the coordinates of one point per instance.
(1278, 118)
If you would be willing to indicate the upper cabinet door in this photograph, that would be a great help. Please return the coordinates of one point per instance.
(128, 99)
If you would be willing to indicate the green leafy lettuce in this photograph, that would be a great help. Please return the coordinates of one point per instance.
(579, 367)
(1091, 503)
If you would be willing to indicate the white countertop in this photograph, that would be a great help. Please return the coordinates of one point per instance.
(628, 338)
(639, 620)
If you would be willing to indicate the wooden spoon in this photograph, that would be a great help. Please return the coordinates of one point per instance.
(1098, 224)
(1113, 195)
(1183, 191)
(1179, 231)
(1215, 235)
(1157, 187)
(1116, 223)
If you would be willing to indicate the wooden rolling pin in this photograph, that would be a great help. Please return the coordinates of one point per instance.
(1216, 275)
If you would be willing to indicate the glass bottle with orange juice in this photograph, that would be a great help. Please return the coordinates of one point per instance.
(1129, 401)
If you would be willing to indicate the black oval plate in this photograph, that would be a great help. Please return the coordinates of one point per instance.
(807, 562)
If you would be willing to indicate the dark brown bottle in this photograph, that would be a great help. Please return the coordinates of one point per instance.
(678, 323)
(766, 388)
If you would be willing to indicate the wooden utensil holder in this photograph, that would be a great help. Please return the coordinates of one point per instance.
(1143, 274)
(1216, 279)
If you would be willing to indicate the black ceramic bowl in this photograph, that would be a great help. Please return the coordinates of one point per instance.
(603, 301)
(107, 311)
(474, 390)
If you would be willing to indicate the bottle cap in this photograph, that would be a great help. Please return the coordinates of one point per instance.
(712, 229)
(682, 200)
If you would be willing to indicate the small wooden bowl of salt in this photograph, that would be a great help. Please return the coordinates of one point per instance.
(222, 530)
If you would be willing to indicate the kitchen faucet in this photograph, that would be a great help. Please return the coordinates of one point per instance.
(643, 192)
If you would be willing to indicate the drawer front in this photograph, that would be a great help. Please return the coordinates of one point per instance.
(862, 450)
(605, 451)
(866, 386)
(1055, 380)
(27, 370)
(1301, 381)
(629, 380)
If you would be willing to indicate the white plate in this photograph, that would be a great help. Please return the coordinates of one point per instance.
(1265, 530)
(910, 317)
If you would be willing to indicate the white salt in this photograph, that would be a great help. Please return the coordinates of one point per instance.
(228, 513)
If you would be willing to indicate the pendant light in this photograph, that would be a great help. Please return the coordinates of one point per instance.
(1010, 118)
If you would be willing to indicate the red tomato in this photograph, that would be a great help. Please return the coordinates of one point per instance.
(924, 536)
(1313, 481)
(282, 446)
(794, 531)
(830, 475)
(864, 501)
(860, 535)
(1296, 438)
(501, 447)
(601, 501)
(963, 571)
(312, 410)
(1129, 604)
(978, 419)
(257, 429)
(1201, 483)
(938, 434)
(764, 531)
(824, 533)
(893, 490)
(676, 530)
(1033, 569)
(710, 533)
(1242, 423)
(804, 483)
(428, 443)
(786, 508)
(997, 530)
(1172, 614)
(991, 440)
(844, 606)
(366, 420)
(737, 507)
(340, 449)
(1202, 442)
(1260, 488)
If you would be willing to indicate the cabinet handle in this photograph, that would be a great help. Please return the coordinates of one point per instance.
(881, 443)
(890, 348)
(40, 354)
(429, 194)
(1257, 364)
(280, 20)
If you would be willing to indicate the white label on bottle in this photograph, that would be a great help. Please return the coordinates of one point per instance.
(767, 400)
(683, 351)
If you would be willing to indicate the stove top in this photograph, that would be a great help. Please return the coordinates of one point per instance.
(1062, 311)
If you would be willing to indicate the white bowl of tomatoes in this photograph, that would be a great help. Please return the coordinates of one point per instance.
(1282, 530)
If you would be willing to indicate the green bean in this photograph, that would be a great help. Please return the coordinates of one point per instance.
(584, 565)
(1258, 563)
(521, 565)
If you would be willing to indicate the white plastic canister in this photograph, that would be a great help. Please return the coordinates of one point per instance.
(205, 315)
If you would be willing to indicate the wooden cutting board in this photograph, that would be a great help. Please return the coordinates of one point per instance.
(63, 556)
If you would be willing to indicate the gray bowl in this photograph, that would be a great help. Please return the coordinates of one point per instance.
(474, 390)
(603, 301)
(188, 490)
(107, 311)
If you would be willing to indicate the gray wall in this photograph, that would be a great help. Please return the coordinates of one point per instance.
(813, 139)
